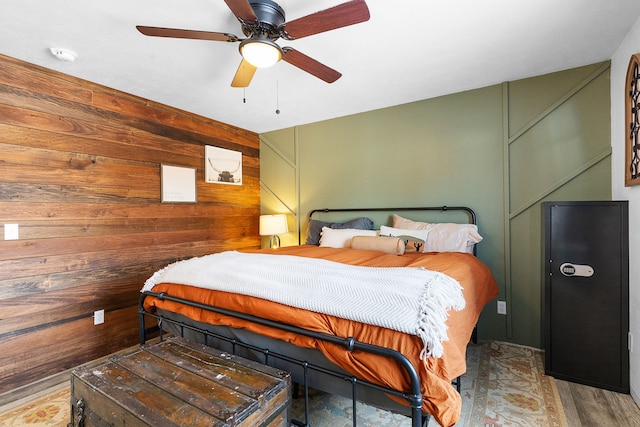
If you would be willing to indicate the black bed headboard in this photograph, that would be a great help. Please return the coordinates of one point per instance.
(469, 211)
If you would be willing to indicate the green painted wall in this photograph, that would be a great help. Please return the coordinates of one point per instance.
(500, 150)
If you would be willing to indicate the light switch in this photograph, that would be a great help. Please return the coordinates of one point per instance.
(11, 232)
(98, 317)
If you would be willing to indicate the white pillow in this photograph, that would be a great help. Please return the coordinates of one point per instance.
(449, 237)
(341, 237)
(443, 237)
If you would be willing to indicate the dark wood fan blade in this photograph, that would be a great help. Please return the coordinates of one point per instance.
(343, 15)
(186, 34)
(242, 10)
(243, 75)
(310, 65)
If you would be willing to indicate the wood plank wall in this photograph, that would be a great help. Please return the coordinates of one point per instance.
(80, 175)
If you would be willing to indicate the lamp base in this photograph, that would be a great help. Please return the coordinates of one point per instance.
(274, 242)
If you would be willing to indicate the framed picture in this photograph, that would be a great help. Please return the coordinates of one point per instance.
(632, 123)
(178, 184)
(222, 166)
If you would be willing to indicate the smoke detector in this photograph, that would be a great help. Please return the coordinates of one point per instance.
(64, 54)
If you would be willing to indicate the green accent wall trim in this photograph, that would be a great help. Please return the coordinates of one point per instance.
(275, 196)
(284, 162)
(506, 203)
(562, 152)
(535, 201)
(577, 88)
(500, 150)
(511, 212)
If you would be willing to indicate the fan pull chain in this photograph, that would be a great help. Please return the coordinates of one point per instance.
(244, 95)
(277, 99)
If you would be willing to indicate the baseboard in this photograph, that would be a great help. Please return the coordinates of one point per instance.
(32, 389)
(634, 396)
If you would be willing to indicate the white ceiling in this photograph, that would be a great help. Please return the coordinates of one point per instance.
(409, 50)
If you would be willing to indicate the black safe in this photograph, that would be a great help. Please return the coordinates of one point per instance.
(586, 292)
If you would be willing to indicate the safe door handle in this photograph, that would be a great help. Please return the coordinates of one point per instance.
(569, 269)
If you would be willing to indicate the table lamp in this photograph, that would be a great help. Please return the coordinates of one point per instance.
(272, 225)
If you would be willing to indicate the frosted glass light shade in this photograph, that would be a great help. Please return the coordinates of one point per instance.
(260, 53)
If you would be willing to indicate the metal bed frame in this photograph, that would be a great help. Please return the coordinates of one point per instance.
(413, 396)
(469, 211)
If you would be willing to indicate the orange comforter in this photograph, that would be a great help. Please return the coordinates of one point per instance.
(440, 398)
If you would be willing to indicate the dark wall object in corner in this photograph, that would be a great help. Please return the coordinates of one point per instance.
(586, 292)
(632, 122)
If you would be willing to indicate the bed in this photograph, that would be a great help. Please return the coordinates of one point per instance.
(380, 365)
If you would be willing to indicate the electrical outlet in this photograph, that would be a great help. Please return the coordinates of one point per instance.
(11, 231)
(502, 307)
(98, 317)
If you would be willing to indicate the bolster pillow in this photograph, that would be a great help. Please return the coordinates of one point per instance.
(391, 245)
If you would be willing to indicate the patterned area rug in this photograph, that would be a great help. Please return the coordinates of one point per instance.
(511, 389)
(49, 410)
(504, 385)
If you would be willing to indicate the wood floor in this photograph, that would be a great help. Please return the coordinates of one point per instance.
(593, 407)
(584, 406)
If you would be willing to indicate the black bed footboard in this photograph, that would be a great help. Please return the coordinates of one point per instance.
(413, 396)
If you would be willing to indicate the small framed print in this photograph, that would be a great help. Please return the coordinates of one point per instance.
(178, 184)
(222, 166)
(632, 122)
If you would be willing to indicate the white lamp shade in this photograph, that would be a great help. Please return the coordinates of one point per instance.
(270, 225)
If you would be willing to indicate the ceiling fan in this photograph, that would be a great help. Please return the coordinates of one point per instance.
(263, 22)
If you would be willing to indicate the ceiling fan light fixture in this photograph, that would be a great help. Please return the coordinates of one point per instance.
(260, 53)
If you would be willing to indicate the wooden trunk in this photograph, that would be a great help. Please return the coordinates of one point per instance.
(179, 383)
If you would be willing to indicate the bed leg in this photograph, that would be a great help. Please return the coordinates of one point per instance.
(142, 331)
(416, 417)
(295, 391)
(354, 401)
(458, 383)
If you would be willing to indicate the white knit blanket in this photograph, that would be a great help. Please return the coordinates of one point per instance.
(406, 299)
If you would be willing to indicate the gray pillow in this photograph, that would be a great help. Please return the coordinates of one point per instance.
(358, 223)
(315, 227)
